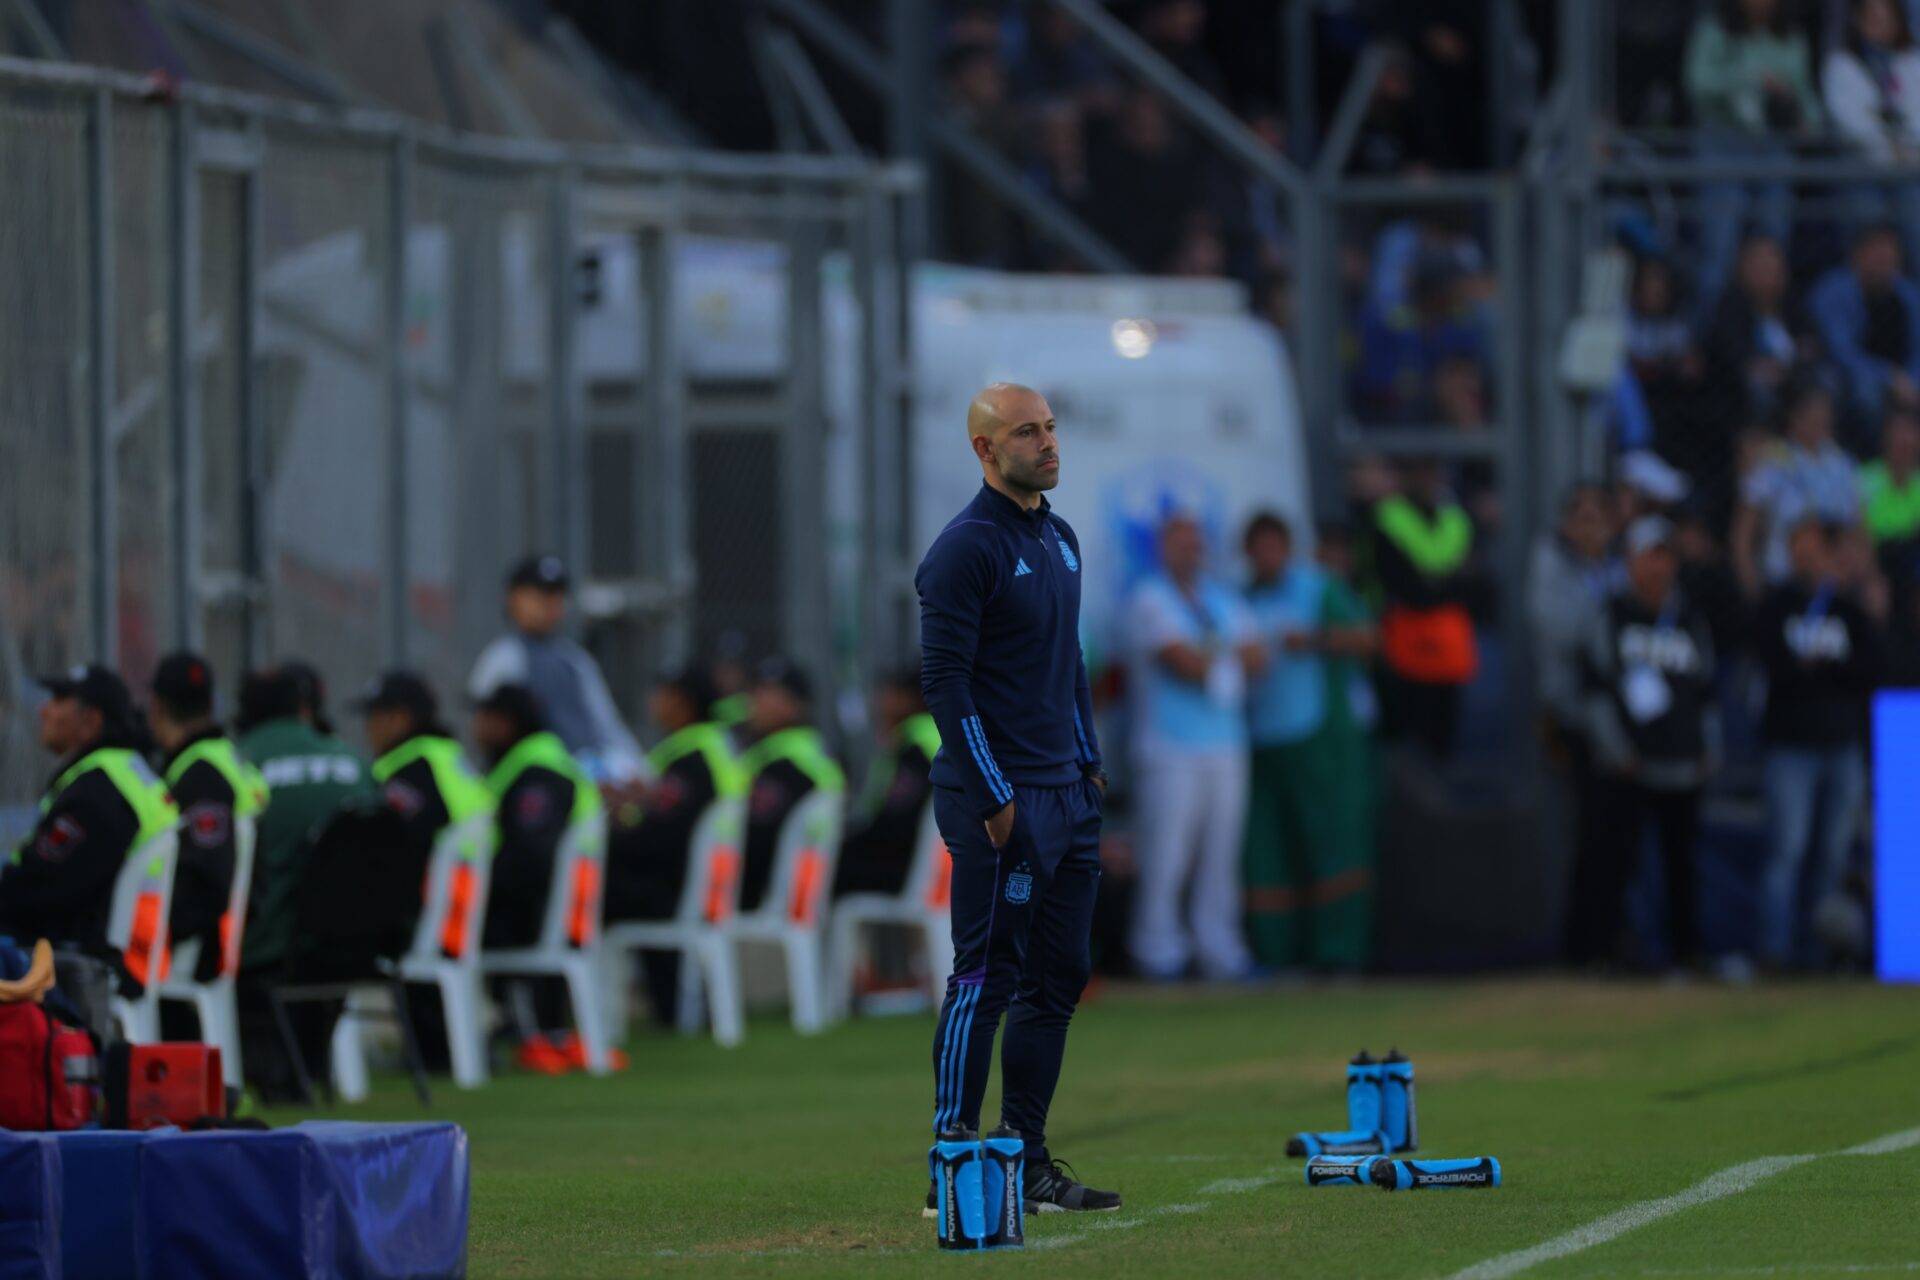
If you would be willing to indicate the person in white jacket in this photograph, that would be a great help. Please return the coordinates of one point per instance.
(1871, 84)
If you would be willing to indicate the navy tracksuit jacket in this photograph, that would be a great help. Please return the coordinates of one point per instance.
(1004, 678)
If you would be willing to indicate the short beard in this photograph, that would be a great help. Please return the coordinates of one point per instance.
(1027, 479)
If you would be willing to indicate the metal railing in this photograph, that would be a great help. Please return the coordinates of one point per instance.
(279, 380)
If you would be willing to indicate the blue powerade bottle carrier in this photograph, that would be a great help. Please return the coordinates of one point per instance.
(960, 1189)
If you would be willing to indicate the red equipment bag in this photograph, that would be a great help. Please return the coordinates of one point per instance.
(49, 1072)
(151, 1085)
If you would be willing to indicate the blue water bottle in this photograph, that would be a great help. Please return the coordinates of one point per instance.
(1003, 1164)
(961, 1193)
(1347, 1142)
(1413, 1175)
(1398, 1115)
(1363, 1093)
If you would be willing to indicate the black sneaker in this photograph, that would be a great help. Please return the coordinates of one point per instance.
(1052, 1188)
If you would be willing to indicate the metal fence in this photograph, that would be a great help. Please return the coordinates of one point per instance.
(280, 382)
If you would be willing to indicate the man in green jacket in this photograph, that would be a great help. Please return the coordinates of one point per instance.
(309, 774)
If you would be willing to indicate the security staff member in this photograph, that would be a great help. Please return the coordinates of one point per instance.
(647, 863)
(786, 762)
(422, 775)
(213, 788)
(1422, 542)
(418, 766)
(692, 766)
(539, 791)
(102, 803)
(878, 850)
(425, 780)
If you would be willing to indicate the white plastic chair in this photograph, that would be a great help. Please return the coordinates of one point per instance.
(923, 904)
(213, 1001)
(137, 928)
(792, 914)
(458, 873)
(570, 937)
(698, 930)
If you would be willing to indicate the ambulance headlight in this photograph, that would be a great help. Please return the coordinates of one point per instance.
(1133, 338)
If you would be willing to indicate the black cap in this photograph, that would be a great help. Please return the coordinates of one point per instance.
(311, 690)
(785, 674)
(545, 572)
(96, 687)
(692, 683)
(400, 691)
(184, 682)
(267, 695)
(518, 704)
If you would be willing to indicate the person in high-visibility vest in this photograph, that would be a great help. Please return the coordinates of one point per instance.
(102, 803)
(692, 766)
(214, 788)
(418, 766)
(540, 793)
(1422, 552)
(539, 790)
(426, 781)
(787, 761)
(879, 845)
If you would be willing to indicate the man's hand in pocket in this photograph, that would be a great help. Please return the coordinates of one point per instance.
(1000, 827)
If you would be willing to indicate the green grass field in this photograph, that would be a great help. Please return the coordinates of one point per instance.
(794, 1156)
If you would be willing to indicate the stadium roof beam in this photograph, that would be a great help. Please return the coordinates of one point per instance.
(981, 161)
(780, 54)
(634, 103)
(260, 51)
(1200, 107)
(471, 52)
(1352, 112)
(46, 44)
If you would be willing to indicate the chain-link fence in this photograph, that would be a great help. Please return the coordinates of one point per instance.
(277, 383)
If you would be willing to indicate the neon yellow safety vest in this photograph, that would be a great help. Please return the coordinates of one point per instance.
(249, 786)
(918, 731)
(801, 745)
(1437, 544)
(137, 784)
(153, 809)
(545, 751)
(460, 788)
(1892, 510)
(710, 740)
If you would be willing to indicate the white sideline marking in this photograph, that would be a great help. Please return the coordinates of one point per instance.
(1886, 1146)
(1729, 1181)
(1724, 1183)
(1225, 1185)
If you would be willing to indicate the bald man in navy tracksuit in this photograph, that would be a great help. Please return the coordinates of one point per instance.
(1017, 784)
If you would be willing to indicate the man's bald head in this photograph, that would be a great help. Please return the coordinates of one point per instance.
(1011, 430)
(1000, 405)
